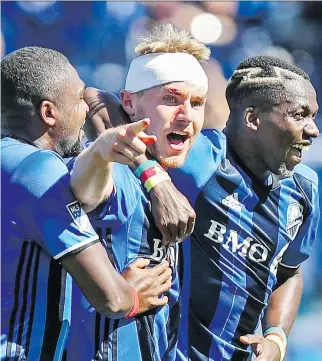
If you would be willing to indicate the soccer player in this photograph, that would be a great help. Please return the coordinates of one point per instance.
(43, 224)
(257, 214)
(167, 84)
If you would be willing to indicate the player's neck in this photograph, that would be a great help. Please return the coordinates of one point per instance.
(41, 142)
(244, 150)
(44, 142)
(18, 134)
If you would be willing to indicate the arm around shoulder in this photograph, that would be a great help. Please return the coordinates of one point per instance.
(137, 290)
(102, 285)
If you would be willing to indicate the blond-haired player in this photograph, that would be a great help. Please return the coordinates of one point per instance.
(167, 84)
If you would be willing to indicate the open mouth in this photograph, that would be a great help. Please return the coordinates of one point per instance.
(177, 139)
(298, 148)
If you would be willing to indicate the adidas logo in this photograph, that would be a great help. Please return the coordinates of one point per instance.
(231, 201)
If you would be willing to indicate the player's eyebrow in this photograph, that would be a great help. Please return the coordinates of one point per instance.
(174, 91)
(308, 109)
(178, 92)
(200, 99)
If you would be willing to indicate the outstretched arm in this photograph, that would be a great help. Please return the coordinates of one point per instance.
(91, 178)
(281, 312)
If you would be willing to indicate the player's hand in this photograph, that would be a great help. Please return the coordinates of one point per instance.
(125, 143)
(105, 111)
(172, 213)
(264, 349)
(150, 283)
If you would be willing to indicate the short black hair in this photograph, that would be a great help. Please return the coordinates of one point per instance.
(261, 78)
(28, 76)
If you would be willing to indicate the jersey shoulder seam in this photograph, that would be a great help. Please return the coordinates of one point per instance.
(313, 181)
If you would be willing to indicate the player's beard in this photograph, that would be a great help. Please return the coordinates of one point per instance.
(170, 161)
(67, 148)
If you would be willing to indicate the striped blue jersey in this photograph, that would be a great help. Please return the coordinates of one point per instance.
(41, 223)
(127, 230)
(244, 229)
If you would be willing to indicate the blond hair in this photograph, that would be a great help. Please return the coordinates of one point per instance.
(168, 39)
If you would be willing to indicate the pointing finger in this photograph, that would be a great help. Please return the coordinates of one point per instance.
(146, 138)
(137, 127)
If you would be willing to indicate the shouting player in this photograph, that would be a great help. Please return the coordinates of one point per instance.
(167, 84)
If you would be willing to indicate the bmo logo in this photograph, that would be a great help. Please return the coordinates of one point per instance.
(161, 252)
(249, 248)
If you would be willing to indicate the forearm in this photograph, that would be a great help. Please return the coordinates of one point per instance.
(279, 317)
(101, 284)
(139, 160)
(284, 301)
(91, 178)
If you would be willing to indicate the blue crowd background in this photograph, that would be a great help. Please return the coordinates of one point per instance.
(99, 37)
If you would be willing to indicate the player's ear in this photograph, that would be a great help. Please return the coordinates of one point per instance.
(48, 112)
(250, 118)
(128, 102)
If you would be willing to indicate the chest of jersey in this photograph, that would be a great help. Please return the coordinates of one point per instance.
(246, 222)
(133, 237)
(241, 233)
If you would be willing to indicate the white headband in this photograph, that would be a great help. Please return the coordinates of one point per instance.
(150, 70)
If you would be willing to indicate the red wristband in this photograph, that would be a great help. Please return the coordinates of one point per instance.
(150, 172)
(135, 307)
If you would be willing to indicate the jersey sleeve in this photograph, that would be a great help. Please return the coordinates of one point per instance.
(202, 161)
(47, 209)
(300, 248)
